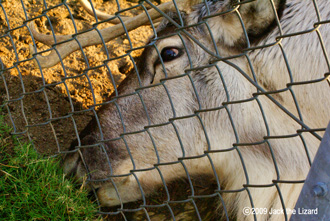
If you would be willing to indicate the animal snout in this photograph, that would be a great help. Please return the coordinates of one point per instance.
(73, 163)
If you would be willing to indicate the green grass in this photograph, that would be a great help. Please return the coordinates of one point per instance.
(34, 188)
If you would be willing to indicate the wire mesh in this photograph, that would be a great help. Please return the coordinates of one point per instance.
(51, 106)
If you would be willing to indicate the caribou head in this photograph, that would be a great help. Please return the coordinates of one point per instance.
(213, 93)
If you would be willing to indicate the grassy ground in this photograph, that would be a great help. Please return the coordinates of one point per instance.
(34, 188)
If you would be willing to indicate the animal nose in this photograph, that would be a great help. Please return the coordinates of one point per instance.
(88, 140)
(72, 161)
(70, 164)
(92, 193)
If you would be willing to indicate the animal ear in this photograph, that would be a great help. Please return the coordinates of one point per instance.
(259, 17)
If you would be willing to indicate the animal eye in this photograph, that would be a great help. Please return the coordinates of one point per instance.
(169, 54)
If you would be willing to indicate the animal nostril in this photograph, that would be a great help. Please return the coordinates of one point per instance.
(72, 161)
(92, 193)
(88, 140)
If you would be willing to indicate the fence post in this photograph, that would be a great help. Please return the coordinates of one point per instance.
(314, 200)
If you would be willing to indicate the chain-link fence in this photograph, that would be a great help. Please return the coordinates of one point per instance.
(197, 109)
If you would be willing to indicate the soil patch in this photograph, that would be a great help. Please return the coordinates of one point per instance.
(41, 100)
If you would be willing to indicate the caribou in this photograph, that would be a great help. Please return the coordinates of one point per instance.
(232, 89)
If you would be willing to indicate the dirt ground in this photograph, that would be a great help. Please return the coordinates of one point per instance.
(38, 95)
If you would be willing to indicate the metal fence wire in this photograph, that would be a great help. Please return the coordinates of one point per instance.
(181, 163)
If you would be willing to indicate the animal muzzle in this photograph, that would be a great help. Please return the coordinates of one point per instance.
(74, 164)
